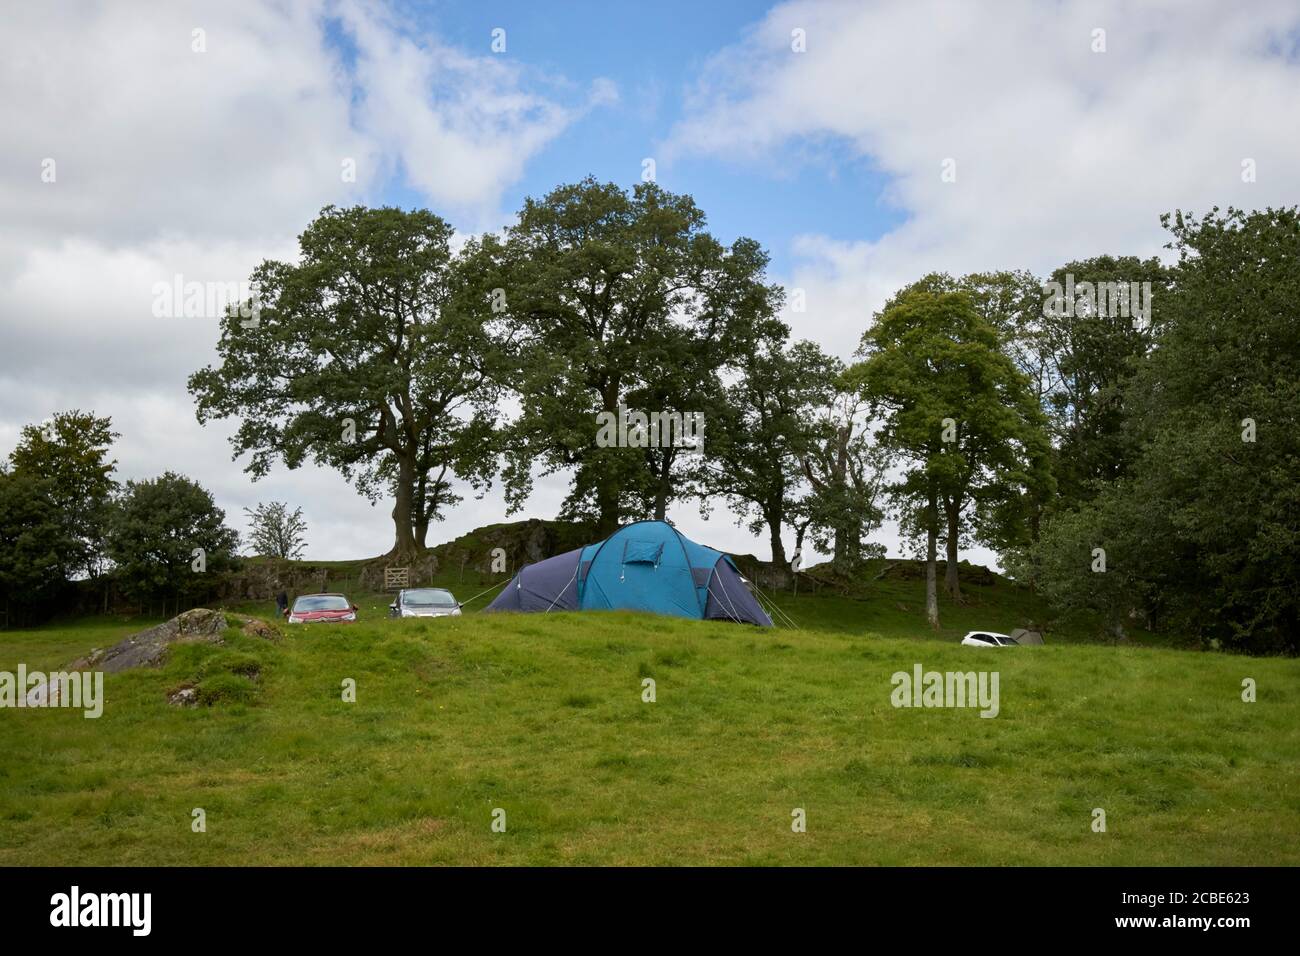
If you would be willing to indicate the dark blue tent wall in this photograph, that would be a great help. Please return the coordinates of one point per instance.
(545, 586)
(645, 566)
(730, 599)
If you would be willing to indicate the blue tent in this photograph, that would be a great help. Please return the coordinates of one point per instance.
(646, 566)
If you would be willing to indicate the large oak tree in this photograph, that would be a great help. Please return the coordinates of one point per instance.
(621, 300)
(373, 354)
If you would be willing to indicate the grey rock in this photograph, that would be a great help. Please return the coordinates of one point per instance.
(149, 648)
(183, 697)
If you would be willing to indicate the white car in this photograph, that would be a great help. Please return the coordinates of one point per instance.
(424, 602)
(989, 639)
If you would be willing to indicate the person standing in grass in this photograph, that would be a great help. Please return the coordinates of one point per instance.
(282, 603)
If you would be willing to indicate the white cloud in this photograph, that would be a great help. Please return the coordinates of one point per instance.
(169, 161)
(152, 138)
(250, 136)
(1060, 152)
(461, 145)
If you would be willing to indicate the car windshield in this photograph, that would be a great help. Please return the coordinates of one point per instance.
(428, 597)
(322, 602)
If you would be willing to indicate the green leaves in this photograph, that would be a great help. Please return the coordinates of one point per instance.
(1092, 355)
(68, 456)
(1201, 529)
(36, 548)
(619, 298)
(954, 409)
(376, 354)
(763, 427)
(155, 529)
(956, 415)
(844, 468)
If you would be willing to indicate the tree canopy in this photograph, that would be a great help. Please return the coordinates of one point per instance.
(373, 355)
(761, 429)
(1202, 530)
(68, 454)
(168, 538)
(955, 413)
(275, 531)
(622, 300)
(36, 549)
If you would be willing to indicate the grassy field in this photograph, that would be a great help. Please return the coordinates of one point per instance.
(542, 716)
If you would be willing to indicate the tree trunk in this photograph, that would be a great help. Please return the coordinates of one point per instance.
(607, 503)
(839, 557)
(931, 559)
(403, 507)
(950, 583)
(778, 546)
(843, 533)
(419, 505)
(665, 483)
(607, 487)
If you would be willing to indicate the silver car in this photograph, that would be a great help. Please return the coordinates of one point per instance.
(424, 602)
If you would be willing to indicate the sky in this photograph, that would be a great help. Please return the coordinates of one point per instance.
(144, 141)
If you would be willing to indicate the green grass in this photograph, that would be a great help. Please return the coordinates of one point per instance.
(542, 715)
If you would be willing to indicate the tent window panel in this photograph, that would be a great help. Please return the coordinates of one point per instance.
(642, 552)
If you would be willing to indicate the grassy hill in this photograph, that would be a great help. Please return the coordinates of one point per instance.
(542, 716)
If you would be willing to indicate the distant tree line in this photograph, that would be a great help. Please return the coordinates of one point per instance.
(1122, 432)
(1088, 426)
(66, 523)
(404, 364)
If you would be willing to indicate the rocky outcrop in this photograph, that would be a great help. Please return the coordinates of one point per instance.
(149, 647)
(255, 627)
(519, 542)
(262, 580)
(908, 569)
(485, 550)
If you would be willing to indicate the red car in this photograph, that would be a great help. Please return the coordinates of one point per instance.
(322, 608)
